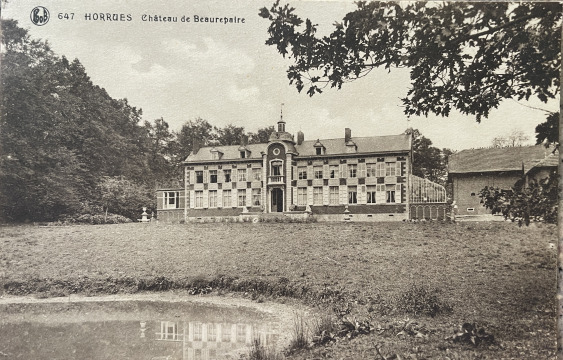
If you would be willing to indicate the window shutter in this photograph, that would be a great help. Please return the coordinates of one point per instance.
(234, 175)
(362, 170)
(343, 172)
(309, 195)
(398, 193)
(310, 174)
(326, 171)
(192, 199)
(380, 195)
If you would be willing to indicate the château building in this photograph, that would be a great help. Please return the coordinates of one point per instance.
(349, 178)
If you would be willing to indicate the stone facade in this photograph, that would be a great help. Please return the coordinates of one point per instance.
(364, 178)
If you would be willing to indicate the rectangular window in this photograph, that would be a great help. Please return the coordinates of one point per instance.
(390, 196)
(352, 170)
(171, 200)
(198, 331)
(333, 171)
(370, 170)
(256, 197)
(276, 168)
(371, 191)
(318, 170)
(302, 196)
(199, 199)
(226, 332)
(241, 333)
(380, 169)
(212, 198)
(213, 176)
(243, 154)
(333, 195)
(257, 174)
(227, 198)
(168, 330)
(319, 150)
(241, 197)
(211, 332)
(241, 175)
(302, 173)
(318, 195)
(390, 168)
(227, 175)
(199, 176)
(352, 195)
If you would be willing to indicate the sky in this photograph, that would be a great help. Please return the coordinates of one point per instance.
(225, 74)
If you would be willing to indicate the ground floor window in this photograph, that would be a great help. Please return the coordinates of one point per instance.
(302, 196)
(171, 200)
(352, 195)
(318, 195)
(371, 194)
(227, 198)
(212, 198)
(199, 199)
(256, 197)
(390, 196)
(333, 195)
(242, 197)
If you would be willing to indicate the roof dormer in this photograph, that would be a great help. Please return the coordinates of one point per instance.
(216, 154)
(319, 148)
(243, 152)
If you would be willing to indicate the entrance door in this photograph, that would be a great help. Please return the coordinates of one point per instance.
(277, 200)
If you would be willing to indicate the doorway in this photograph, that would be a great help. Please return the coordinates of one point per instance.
(277, 200)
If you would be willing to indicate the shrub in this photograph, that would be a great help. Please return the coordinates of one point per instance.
(535, 202)
(258, 351)
(299, 340)
(420, 300)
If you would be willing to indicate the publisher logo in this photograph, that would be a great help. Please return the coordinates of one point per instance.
(39, 15)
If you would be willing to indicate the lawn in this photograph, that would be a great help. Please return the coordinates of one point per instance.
(497, 275)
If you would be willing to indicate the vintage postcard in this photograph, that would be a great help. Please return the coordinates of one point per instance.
(268, 179)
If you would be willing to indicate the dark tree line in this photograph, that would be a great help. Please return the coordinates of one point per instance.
(68, 148)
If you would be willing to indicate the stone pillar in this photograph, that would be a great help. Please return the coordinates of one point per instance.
(287, 191)
(265, 197)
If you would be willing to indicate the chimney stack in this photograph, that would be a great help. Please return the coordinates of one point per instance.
(300, 137)
(347, 135)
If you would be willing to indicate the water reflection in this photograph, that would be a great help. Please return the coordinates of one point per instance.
(132, 330)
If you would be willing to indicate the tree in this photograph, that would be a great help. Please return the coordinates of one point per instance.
(537, 201)
(261, 136)
(429, 162)
(229, 135)
(464, 56)
(61, 134)
(163, 160)
(193, 130)
(514, 139)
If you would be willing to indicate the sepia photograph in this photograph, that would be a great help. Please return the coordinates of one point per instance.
(280, 179)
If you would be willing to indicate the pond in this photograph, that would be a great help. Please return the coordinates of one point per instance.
(136, 329)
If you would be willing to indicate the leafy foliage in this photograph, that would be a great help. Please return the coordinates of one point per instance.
(429, 162)
(61, 134)
(124, 197)
(469, 333)
(421, 300)
(535, 202)
(466, 56)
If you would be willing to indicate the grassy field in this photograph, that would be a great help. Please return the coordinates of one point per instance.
(496, 275)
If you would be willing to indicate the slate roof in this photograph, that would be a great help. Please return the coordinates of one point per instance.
(551, 161)
(372, 144)
(496, 159)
